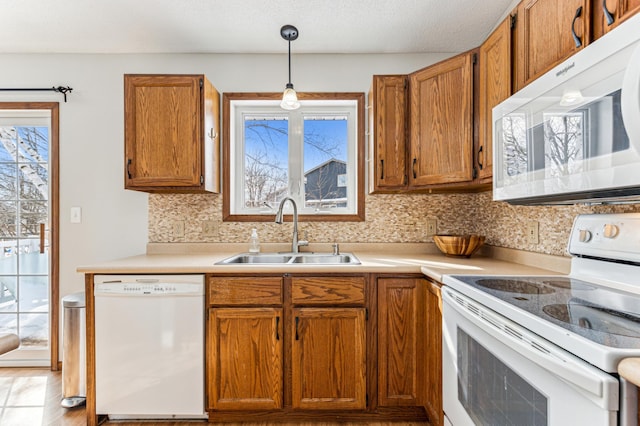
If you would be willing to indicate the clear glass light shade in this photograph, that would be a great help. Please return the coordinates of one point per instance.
(289, 99)
(571, 97)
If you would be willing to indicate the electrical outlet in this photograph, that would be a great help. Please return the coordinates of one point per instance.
(532, 232)
(432, 226)
(209, 228)
(177, 230)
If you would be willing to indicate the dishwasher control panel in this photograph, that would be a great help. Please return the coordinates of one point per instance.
(149, 285)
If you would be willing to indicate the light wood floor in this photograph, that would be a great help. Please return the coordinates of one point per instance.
(31, 397)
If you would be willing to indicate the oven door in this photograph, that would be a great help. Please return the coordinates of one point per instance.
(498, 373)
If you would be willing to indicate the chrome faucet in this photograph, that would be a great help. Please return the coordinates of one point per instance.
(295, 244)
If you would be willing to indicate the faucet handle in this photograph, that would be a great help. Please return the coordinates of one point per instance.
(302, 243)
(336, 249)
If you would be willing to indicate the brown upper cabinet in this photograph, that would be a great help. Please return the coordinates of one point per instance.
(546, 33)
(608, 14)
(441, 123)
(388, 112)
(494, 87)
(421, 129)
(172, 127)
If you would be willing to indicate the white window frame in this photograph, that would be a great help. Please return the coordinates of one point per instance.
(237, 109)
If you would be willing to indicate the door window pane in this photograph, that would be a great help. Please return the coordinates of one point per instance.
(8, 178)
(8, 323)
(34, 330)
(31, 261)
(34, 294)
(8, 294)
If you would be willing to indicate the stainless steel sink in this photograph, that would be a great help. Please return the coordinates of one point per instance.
(326, 259)
(291, 258)
(256, 258)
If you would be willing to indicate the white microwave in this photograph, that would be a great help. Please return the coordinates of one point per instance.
(573, 135)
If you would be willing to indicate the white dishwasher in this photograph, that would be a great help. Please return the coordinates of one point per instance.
(149, 346)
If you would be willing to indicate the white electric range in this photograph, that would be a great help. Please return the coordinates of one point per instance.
(544, 350)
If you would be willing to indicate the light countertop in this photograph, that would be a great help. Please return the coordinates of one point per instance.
(374, 258)
(630, 369)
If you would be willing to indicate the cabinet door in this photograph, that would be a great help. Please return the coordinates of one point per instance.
(388, 132)
(245, 358)
(494, 87)
(433, 353)
(400, 338)
(328, 358)
(442, 123)
(547, 31)
(166, 119)
(608, 14)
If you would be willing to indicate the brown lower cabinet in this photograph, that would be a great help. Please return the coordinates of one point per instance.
(328, 359)
(433, 353)
(245, 359)
(306, 347)
(400, 364)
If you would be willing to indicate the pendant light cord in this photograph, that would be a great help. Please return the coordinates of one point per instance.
(289, 62)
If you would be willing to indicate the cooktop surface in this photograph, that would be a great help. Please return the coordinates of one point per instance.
(603, 315)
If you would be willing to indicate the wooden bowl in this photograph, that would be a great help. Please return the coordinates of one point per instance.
(458, 245)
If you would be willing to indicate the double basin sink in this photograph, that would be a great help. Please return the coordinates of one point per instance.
(291, 258)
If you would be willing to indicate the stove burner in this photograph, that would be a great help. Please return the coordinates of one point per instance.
(569, 284)
(592, 317)
(514, 286)
(559, 312)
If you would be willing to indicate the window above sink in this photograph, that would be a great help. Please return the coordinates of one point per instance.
(314, 155)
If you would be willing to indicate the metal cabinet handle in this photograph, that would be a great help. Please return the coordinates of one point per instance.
(277, 328)
(576, 39)
(297, 321)
(381, 169)
(129, 168)
(413, 168)
(607, 14)
(480, 164)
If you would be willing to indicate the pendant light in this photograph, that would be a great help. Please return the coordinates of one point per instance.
(289, 97)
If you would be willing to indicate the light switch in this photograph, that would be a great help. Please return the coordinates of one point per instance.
(76, 215)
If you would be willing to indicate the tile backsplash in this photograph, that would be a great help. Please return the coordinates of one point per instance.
(389, 218)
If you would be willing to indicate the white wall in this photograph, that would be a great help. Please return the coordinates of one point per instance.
(114, 221)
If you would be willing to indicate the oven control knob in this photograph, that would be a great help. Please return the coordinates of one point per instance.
(585, 236)
(610, 231)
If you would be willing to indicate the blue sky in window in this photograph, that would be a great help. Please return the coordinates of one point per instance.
(270, 137)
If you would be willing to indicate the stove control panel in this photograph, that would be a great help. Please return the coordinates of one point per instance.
(608, 236)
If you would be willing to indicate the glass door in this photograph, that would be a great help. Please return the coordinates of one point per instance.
(25, 289)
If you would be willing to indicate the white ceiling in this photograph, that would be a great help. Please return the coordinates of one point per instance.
(245, 26)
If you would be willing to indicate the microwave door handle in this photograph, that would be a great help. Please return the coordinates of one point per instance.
(587, 378)
(630, 99)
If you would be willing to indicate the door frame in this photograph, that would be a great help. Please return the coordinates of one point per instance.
(54, 220)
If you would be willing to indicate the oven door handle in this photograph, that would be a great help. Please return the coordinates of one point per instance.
(535, 349)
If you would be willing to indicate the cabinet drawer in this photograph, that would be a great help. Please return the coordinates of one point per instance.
(327, 290)
(245, 290)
